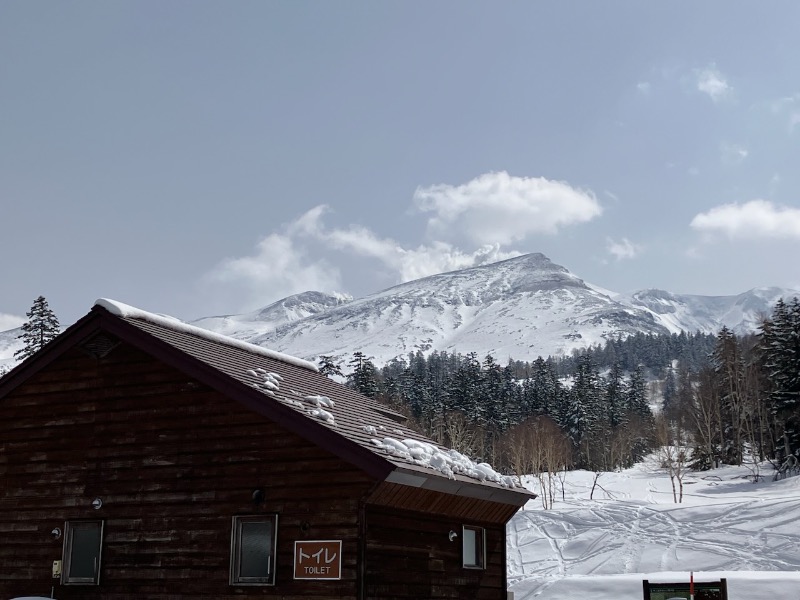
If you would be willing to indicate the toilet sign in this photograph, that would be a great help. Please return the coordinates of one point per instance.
(318, 559)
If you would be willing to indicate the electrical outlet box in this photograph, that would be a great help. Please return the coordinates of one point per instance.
(56, 569)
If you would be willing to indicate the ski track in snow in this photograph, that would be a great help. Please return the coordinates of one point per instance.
(726, 525)
(629, 538)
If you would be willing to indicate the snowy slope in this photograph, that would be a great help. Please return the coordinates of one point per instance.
(741, 313)
(8, 345)
(725, 526)
(522, 307)
(287, 310)
(519, 308)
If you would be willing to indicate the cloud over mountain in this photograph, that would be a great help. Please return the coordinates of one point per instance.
(499, 206)
(756, 219)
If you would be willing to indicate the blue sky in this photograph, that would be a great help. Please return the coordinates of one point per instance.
(200, 158)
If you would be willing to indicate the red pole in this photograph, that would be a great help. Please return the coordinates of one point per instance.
(691, 585)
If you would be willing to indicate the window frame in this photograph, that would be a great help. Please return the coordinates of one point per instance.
(235, 577)
(68, 548)
(479, 556)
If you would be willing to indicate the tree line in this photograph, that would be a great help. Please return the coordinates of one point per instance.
(497, 413)
(744, 406)
(719, 399)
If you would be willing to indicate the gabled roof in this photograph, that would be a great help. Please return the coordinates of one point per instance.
(290, 392)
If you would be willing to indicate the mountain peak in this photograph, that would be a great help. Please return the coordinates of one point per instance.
(521, 307)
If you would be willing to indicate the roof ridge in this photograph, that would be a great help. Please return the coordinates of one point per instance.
(126, 311)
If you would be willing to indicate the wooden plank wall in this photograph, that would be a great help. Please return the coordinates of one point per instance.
(409, 555)
(172, 462)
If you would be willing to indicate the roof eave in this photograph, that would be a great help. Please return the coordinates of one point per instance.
(458, 487)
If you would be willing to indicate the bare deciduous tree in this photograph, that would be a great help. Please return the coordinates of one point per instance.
(672, 455)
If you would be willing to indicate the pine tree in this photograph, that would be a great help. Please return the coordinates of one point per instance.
(328, 367)
(729, 370)
(364, 377)
(41, 328)
(780, 341)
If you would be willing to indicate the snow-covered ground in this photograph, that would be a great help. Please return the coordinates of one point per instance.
(726, 526)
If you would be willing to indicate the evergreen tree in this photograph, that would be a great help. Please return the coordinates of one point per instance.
(328, 367)
(729, 370)
(364, 377)
(780, 341)
(466, 390)
(584, 412)
(639, 415)
(614, 397)
(41, 328)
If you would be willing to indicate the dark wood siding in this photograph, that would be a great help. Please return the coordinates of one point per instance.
(430, 501)
(409, 555)
(172, 461)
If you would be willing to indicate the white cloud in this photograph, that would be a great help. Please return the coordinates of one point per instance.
(733, 154)
(644, 87)
(10, 321)
(411, 263)
(497, 207)
(756, 219)
(488, 210)
(622, 249)
(711, 82)
(278, 268)
(794, 120)
(282, 264)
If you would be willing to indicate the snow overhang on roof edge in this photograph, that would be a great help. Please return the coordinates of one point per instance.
(480, 491)
(131, 312)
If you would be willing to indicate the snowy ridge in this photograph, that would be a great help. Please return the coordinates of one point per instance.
(742, 313)
(9, 343)
(289, 309)
(519, 308)
(130, 312)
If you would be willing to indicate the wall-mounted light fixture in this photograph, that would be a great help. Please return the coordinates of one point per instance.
(452, 535)
(258, 496)
(56, 533)
(97, 504)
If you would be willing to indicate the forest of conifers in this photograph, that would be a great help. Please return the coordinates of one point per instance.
(721, 399)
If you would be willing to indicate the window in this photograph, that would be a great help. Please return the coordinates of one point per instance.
(253, 550)
(473, 543)
(83, 542)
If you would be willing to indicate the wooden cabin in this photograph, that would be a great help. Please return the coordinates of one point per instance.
(144, 458)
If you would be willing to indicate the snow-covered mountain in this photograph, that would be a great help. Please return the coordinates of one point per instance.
(8, 345)
(288, 310)
(520, 308)
(742, 313)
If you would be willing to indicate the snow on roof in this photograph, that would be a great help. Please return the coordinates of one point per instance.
(448, 462)
(130, 312)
